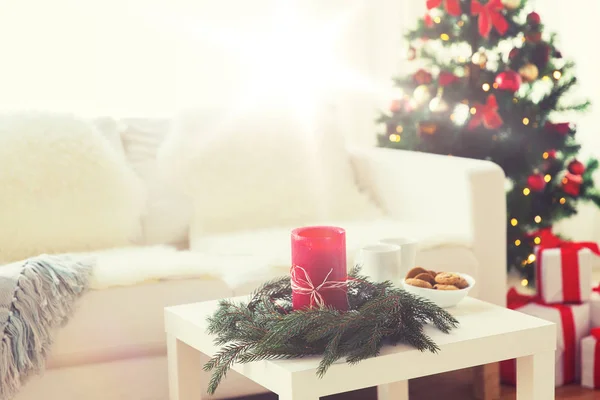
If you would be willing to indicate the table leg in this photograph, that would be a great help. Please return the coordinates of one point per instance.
(393, 391)
(486, 381)
(535, 377)
(185, 366)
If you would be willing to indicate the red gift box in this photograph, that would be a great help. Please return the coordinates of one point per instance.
(590, 360)
(563, 269)
(573, 323)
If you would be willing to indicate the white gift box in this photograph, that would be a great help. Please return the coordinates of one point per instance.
(558, 283)
(589, 358)
(567, 356)
(595, 309)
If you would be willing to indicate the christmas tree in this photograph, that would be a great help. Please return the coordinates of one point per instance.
(489, 83)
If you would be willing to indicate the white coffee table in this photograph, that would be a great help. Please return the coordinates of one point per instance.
(487, 334)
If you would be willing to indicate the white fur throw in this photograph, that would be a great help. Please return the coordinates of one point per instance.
(63, 188)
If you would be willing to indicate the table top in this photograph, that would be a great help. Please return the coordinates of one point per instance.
(487, 333)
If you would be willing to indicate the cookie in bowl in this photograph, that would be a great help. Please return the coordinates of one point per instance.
(446, 289)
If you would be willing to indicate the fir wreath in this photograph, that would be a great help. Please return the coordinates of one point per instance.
(268, 328)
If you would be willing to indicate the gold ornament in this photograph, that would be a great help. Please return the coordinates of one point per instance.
(479, 58)
(529, 72)
(511, 4)
(422, 94)
(437, 104)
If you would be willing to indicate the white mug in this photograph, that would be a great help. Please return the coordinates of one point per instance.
(380, 262)
(408, 253)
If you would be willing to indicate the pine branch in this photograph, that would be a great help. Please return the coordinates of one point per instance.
(379, 314)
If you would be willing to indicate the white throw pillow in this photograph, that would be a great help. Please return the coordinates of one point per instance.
(168, 211)
(63, 188)
(262, 167)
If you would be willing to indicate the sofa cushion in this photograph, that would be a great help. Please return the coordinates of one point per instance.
(124, 322)
(167, 213)
(261, 167)
(63, 187)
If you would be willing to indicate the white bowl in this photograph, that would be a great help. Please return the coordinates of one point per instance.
(443, 298)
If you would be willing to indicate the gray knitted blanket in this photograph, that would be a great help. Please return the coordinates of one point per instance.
(36, 296)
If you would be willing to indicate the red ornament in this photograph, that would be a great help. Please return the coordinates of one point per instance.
(571, 184)
(447, 78)
(534, 37)
(536, 182)
(422, 77)
(541, 55)
(562, 128)
(576, 167)
(489, 15)
(551, 154)
(452, 6)
(508, 80)
(428, 20)
(514, 53)
(486, 114)
(534, 18)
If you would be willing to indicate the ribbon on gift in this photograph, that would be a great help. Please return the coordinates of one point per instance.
(489, 15)
(569, 258)
(305, 285)
(596, 334)
(487, 114)
(516, 300)
(451, 6)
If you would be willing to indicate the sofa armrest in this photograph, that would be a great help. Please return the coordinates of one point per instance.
(434, 189)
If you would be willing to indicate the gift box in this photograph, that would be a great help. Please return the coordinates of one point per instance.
(564, 273)
(573, 324)
(590, 360)
(595, 307)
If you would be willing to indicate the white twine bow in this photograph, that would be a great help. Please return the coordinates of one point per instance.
(306, 286)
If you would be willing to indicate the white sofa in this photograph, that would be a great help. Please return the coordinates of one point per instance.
(114, 346)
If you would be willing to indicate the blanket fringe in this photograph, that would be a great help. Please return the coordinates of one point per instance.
(43, 300)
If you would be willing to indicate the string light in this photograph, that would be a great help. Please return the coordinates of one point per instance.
(537, 240)
(565, 181)
(495, 85)
(444, 37)
(515, 100)
(394, 138)
(485, 87)
(461, 59)
(524, 282)
(526, 191)
(531, 258)
(547, 178)
(545, 155)
(537, 219)
(460, 114)
(437, 20)
(556, 74)
(562, 200)
(525, 121)
(514, 222)
(545, 78)
(517, 242)
(399, 129)
(460, 23)
(473, 110)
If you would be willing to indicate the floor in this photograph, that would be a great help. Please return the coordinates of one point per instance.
(452, 386)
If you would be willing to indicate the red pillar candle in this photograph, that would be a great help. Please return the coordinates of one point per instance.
(319, 267)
